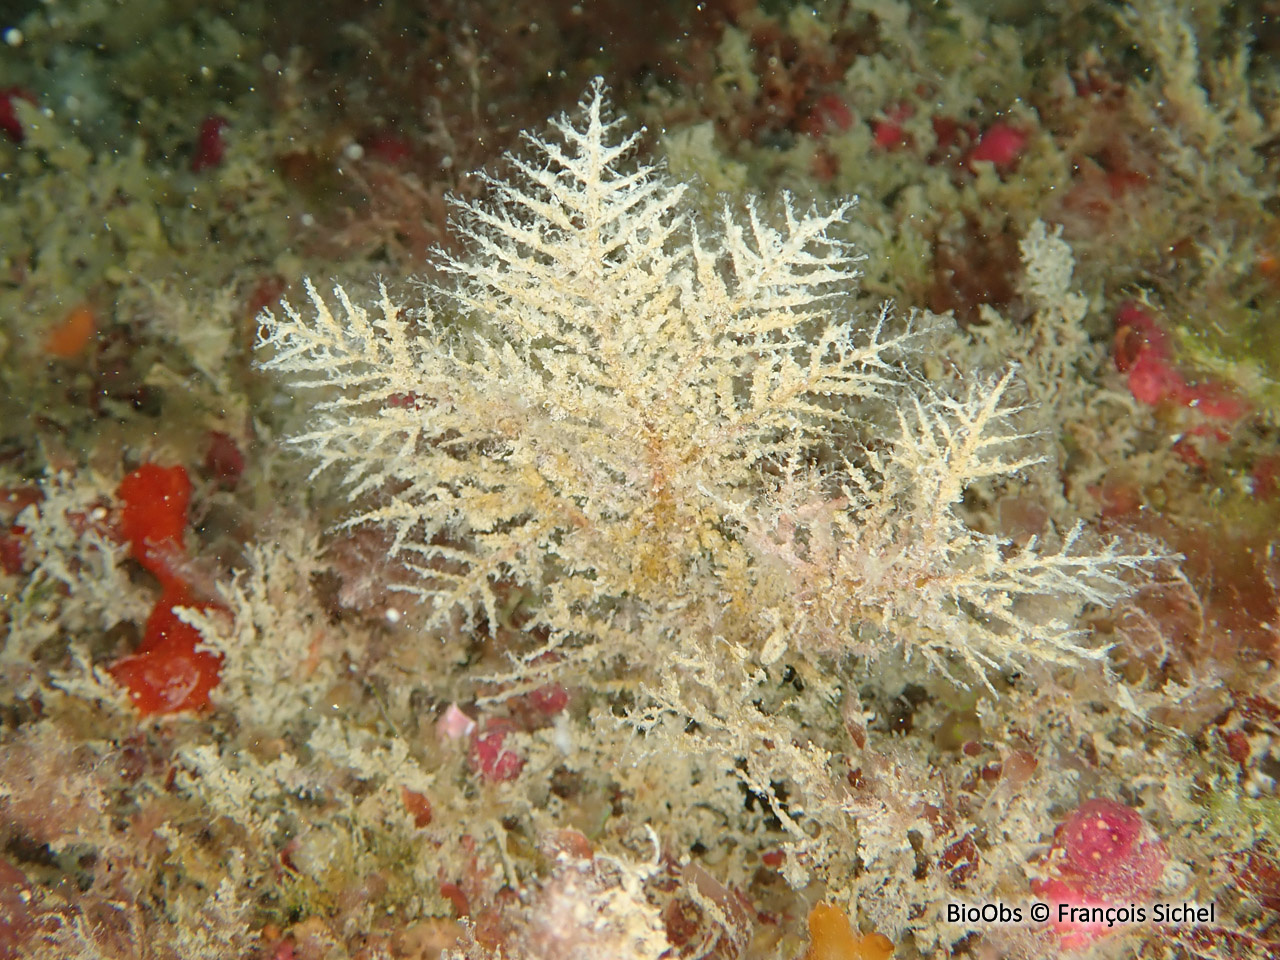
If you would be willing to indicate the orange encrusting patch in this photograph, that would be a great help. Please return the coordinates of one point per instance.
(153, 517)
(73, 334)
(832, 938)
(167, 672)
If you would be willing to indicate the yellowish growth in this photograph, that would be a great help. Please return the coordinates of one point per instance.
(831, 937)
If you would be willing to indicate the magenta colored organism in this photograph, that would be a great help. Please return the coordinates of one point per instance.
(1110, 850)
(1104, 853)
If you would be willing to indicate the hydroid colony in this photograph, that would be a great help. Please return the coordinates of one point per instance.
(624, 412)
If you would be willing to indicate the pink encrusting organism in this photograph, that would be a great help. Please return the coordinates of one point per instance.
(1104, 854)
(1142, 351)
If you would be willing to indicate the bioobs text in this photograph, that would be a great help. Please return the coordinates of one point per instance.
(997, 912)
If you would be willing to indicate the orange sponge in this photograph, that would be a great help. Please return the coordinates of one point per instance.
(832, 938)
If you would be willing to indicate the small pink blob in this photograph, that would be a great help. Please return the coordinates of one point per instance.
(549, 699)
(1000, 144)
(454, 724)
(211, 147)
(1152, 380)
(10, 125)
(1105, 854)
(490, 760)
